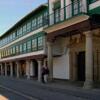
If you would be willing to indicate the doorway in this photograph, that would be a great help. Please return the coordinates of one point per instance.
(35, 68)
(81, 66)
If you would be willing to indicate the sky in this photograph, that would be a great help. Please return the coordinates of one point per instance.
(12, 11)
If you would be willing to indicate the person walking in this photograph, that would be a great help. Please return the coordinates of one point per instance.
(45, 72)
(46, 75)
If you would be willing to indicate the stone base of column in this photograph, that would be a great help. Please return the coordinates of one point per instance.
(88, 85)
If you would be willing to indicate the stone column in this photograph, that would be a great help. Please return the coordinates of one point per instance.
(17, 71)
(11, 69)
(1, 69)
(89, 61)
(50, 60)
(5, 69)
(39, 70)
(28, 69)
(31, 68)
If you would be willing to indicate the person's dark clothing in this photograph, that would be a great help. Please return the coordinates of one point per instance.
(44, 72)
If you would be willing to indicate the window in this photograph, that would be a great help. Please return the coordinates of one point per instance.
(21, 48)
(1, 54)
(14, 50)
(29, 26)
(8, 51)
(11, 51)
(4, 53)
(33, 24)
(13, 35)
(6, 40)
(39, 21)
(10, 37)
(40, 42)
(24, 29)
(24, 47)
(19, 32)
(57, 15)
(34, 44)
(17, 49)
(29, 46)
(57, 6)
(45, 18)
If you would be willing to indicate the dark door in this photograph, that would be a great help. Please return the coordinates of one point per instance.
(81, 66)
(35, 68)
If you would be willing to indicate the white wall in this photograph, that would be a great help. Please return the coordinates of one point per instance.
(61, 66)
(61, 63)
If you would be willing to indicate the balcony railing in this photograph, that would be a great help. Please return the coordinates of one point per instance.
(67, 12)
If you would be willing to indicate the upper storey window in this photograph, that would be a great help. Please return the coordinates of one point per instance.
(19, 32)
(29, 46)
(14, 50)
(29, 26)
(24, 29)
(76, 7)
(39, 21)
(57, 6)
(14, 35)
(34, 44)
(40, 42)
(45, 18)
(33, 23)
(10, 37)
(17, 49)
(24, 47)
(21, 48)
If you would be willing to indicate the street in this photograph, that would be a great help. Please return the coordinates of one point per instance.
(8, 95)
(17, 89)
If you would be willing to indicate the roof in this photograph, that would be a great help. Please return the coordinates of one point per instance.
(23, 19)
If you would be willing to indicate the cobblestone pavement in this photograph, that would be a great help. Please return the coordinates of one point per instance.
(22, 89)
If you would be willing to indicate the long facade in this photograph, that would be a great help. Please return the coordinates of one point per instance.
(63, 35)
(22, 48)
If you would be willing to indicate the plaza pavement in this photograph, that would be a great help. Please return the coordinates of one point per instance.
(57, 90)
